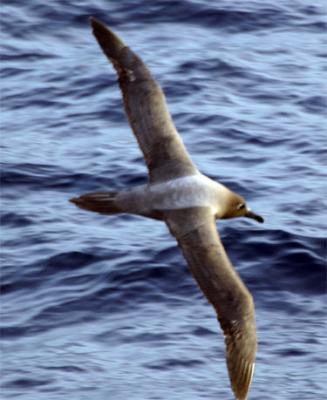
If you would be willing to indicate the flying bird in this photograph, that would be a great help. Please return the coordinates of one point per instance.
(186, 200)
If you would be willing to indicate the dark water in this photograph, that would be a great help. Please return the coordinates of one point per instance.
(105, 308)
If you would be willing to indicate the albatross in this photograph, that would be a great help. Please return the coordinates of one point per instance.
(186, 200)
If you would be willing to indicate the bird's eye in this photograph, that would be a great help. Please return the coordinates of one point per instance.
(241, 206)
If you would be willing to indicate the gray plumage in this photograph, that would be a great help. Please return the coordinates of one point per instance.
(189, 203)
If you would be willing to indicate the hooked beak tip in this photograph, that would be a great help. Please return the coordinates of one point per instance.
(260, 219)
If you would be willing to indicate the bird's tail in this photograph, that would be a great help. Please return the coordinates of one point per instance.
(101, 202)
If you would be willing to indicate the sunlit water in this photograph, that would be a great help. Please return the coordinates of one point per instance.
(99, 308)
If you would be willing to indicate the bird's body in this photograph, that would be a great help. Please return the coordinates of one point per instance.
(186, 200)
(186, 192)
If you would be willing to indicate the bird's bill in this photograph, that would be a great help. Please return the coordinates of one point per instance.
(251, 214)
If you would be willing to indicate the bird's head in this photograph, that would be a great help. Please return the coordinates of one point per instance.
(236, 207)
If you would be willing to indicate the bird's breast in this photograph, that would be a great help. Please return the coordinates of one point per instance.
(191, 191)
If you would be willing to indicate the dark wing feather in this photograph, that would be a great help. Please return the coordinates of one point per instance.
(196, 234)
(145, 105)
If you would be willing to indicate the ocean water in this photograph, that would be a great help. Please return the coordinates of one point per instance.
(96, 307)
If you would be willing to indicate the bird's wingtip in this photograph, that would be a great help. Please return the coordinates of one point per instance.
(94, 22)
(97, 25)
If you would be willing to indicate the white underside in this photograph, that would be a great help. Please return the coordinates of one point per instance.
(192, 191)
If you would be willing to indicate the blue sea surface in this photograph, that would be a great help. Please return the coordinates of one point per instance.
(101, 308)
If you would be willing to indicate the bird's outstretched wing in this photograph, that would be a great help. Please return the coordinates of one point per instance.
(196, 234)
(145, 106)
